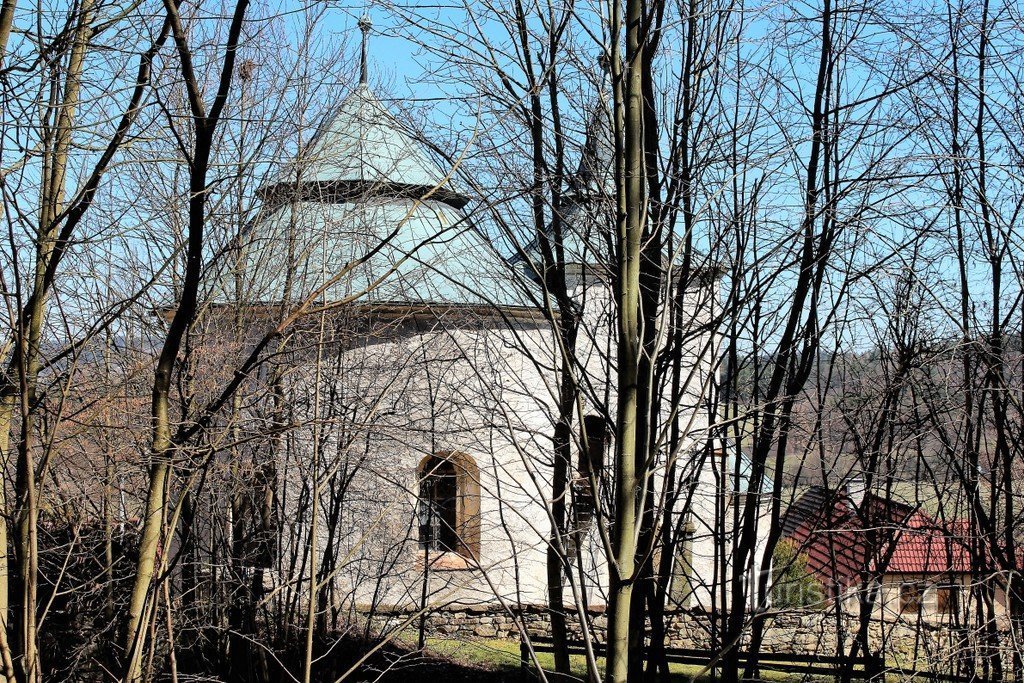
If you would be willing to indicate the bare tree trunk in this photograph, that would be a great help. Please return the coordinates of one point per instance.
(789, 369)
(57, 145)
(556, 552)
(630, 223)
(163, 449)
(7, 402)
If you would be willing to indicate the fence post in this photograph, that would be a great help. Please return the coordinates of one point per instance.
(874, 666)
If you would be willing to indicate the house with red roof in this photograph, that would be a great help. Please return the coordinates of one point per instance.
(915, 565)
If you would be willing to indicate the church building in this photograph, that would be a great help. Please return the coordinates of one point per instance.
(422, 388)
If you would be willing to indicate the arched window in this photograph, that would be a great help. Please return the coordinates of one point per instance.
(449, 505)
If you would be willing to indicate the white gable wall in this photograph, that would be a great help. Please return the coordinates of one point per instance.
(486, 389)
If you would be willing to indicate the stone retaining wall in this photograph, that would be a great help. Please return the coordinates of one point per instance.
(928, 648)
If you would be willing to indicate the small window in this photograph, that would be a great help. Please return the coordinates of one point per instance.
(439, 493)
(911, 597)
(721, 458)
(683, 578)
(948, 599)
(595, 439)
(590, 462)
(449, 505)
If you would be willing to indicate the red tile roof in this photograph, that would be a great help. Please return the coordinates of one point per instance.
(882, 536)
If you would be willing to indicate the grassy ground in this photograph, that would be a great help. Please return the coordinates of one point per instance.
(494, 660)
(501, 655)
(455, 660)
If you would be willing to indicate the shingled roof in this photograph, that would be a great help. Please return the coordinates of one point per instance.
(362, 144)
(368, 214)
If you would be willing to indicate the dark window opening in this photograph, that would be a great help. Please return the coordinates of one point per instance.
(683, 580)
(911, 597)
(439, 492)
(595, 433)
(948, 598)
(448, 509)
(590, 464)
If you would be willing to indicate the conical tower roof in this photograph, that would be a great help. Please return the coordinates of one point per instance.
(366, 210)
(596, 173)
(585, 215)
(363, 150)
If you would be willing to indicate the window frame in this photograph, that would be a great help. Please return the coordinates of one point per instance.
(593, 447)
(466, 508)
(683, 581)
(913, 605)
(948, 598)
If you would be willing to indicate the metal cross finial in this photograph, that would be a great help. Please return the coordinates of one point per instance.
(364, 25)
